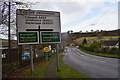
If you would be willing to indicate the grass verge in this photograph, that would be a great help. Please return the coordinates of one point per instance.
(39, 70)
(67, 72)
(101, 54)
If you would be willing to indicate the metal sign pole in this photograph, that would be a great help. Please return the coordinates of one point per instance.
(58, 64)
(31, 59)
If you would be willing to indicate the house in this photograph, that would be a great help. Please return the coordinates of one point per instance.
(110, 43)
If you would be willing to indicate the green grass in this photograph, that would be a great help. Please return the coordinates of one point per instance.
(101, 54)
(109, 37)
(39, 71)
(87, 38)
(103, 38)
(67, 72)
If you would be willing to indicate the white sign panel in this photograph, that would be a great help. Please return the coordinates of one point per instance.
(37, 21)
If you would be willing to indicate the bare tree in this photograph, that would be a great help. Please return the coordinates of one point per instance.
(5, 15)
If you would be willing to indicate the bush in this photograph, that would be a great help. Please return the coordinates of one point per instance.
(9, 68)
(113, 50)
(118, 51)
(94, 45)
(104, 49)
(100, 50)
(86, 47)
(108, 51)
(12, 67)
(96, 50)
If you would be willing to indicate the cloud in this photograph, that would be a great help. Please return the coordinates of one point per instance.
(107, 20)
(75, 14)
(84, 1)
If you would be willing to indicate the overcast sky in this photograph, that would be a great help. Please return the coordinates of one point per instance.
(85, 15)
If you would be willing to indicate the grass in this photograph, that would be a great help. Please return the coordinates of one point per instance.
(109, 37)
(101, 54)
(39, 70)
(103, 38)
(67, 72)
(87, 38)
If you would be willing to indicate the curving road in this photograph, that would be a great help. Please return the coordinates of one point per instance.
(90, 65)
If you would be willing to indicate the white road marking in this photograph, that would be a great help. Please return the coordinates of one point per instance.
(98, 60)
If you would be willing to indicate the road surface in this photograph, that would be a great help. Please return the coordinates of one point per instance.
(90, 65)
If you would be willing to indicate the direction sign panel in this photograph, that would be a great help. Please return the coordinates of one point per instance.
(50, 37)
(37, 21)
(28, 37)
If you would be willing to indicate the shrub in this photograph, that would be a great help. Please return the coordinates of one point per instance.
(86, 47)
(104, 49)
(108, 51)
(113, 50)
(100, 50)
(96, 50)
(9, 68)
(94, 45)
(118, 51)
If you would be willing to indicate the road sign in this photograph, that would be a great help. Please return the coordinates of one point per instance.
(46, 49)
(50, 37)
(38, 21)
(28, 37)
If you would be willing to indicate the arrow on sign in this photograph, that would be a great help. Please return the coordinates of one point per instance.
(39, 30)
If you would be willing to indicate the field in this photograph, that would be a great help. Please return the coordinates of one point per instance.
(103, 38)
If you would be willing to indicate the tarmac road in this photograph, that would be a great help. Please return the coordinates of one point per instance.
(90, 65)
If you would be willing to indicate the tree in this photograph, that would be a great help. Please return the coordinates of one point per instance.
(101, 30)
(97, 31)
(85, 41)
(92, 31)
(5, 14)
(71, 31)
(68, 32)
(80, 31)
(86, 31)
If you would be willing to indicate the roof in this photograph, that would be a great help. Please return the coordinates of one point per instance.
(110, 42)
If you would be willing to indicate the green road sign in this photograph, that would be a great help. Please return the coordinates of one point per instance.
(28, 37)
(50, 37)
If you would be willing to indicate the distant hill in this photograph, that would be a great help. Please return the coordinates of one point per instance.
(69, 37)
(102, 33)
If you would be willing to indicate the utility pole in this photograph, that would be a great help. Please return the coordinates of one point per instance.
(9, 46)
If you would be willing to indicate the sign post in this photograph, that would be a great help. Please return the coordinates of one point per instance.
(38, 27)
(57, 51)
(31, 59)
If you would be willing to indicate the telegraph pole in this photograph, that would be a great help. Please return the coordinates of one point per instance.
(9, 46)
